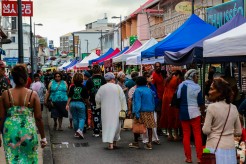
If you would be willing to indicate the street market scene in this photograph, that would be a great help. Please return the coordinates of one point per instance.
(110, 81)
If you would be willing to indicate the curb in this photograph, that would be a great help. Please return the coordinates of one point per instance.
(47, 151)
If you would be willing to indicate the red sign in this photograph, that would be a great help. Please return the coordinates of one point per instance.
(98, 52)
(10, 8)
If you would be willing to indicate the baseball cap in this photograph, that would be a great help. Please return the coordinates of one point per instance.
(2, 64)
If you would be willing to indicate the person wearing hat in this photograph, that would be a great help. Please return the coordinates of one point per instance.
(191, 104)
(4, 81)
(87, 75)
(111, 99)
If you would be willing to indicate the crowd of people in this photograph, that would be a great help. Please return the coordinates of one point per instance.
(167, 103)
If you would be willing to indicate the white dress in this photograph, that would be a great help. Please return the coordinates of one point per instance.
(111, 99)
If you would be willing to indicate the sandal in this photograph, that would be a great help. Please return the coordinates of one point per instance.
(176, 139)
(170, 138)
(60, 129)
(157, 142)
(55, 127)
(133, 145)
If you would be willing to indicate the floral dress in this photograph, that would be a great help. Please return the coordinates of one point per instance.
(20, 135)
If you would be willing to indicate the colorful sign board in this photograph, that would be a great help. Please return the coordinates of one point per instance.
(220, 14)
(10, 8)
(133, 39)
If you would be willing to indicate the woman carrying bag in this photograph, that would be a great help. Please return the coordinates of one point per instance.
(221, 123)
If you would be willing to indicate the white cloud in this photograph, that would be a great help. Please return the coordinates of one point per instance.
(63, 16)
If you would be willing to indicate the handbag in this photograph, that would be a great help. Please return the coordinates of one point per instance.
(122, 114)
(210, 158)
(128, 123)
(138, 127)
(175, 102)
(49, 105)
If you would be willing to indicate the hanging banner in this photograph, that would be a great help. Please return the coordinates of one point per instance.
(10, 8)
(220, 14)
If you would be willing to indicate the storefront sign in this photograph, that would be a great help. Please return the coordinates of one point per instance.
(10, 8)
(184, 7)
(220, 14)
(14, 61)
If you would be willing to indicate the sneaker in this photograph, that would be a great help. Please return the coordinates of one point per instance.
(148, 146)
(80, 134)
(96, 135)
(133, 145)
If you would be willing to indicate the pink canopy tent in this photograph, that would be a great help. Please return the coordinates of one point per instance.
(134, 46)
(115, 52)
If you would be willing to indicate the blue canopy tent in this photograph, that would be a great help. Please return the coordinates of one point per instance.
(101, 57)
(190, 32)
(71, 64)
(194, 53)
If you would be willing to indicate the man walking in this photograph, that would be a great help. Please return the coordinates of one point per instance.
(92, 85)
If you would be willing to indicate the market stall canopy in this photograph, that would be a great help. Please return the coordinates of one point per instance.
(115, 52)
(191, 31)
(108, 62)
(74, 62)
(135, 45)
(64, 65)
(85, 61)
(229, 46)
(101, 57)
(194, 53)
(134, 58)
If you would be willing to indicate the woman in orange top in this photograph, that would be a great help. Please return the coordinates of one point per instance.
(170, 115)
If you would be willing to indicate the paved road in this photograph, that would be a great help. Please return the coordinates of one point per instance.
(68, 150)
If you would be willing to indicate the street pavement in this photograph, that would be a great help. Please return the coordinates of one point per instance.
(69, 150)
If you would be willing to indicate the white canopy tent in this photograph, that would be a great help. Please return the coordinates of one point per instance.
(85, 61)
(135, 56)
(229, 44)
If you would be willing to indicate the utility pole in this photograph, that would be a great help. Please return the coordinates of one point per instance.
(193, 6)
(31, 48)
(73, 45)
(87, 43)
(20, 34)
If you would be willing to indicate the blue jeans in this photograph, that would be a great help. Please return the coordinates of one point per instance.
(78, 112)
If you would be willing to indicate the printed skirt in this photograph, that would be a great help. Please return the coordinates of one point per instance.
(148, 119)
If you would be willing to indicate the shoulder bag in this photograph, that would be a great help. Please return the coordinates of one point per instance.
(50, 104)
(122, 114)
(210, 158)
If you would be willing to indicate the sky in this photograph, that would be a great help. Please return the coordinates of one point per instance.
(60, 17)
